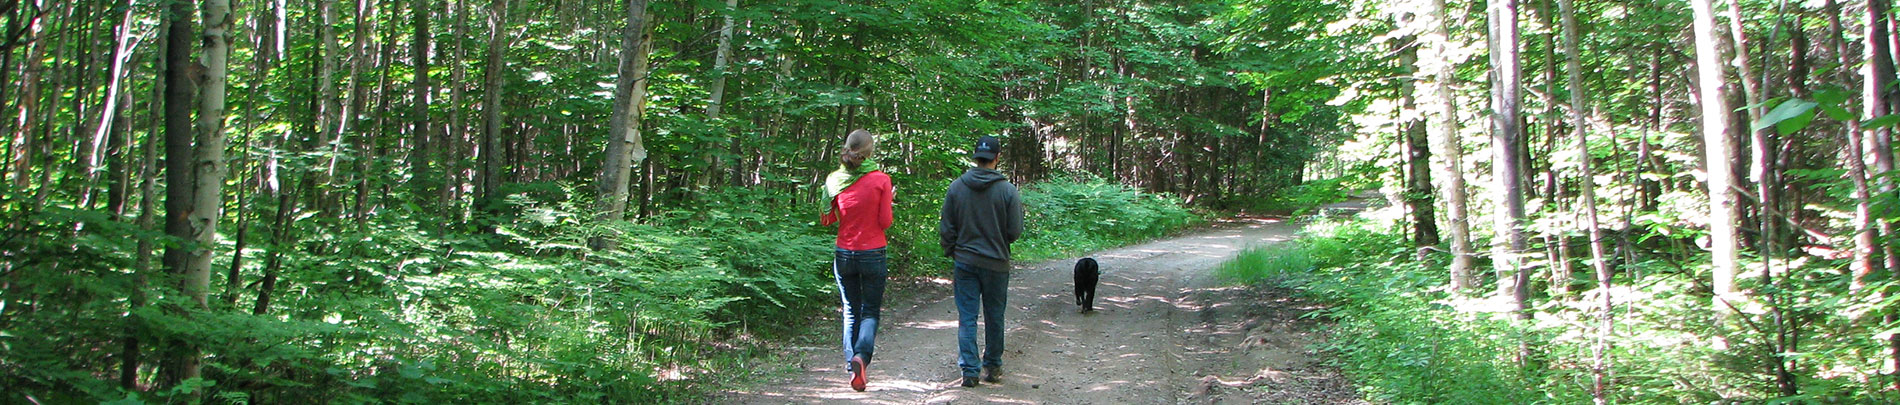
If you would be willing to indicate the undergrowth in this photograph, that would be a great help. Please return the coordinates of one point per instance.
(400, 309)
(1063, 216)
(1404, 338)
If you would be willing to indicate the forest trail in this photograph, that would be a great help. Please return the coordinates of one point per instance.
(1164, 331)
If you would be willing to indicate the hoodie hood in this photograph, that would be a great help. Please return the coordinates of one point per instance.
(980, 179)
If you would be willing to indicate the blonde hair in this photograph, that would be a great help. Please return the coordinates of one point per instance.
(859, 146)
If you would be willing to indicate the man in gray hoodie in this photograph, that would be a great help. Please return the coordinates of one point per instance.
(981, 217)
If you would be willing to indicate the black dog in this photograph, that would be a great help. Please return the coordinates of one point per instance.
(1087, 274)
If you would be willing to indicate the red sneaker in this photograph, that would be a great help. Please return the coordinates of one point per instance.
(857, 374)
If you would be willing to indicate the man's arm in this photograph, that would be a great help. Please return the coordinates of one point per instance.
(946, 225)
(1013, 225)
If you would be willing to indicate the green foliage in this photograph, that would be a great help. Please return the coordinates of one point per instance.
(389, 313)
(1270, 264)
(1079, 214)
(1303, 199)
(1405, 339)
(1063, 216)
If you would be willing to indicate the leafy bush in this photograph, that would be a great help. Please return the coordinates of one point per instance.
(394, 309)
(388, 312)
(1302, 199)
(1405, 339)
(1062, 216)
(1074, 214)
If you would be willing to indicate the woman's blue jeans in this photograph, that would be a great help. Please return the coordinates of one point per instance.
(974, 285)
(861, 275)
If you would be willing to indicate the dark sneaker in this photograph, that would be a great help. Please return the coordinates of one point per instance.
(969, 381)
(857, 374)
(992, 374)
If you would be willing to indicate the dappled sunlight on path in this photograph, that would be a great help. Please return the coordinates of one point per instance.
(1163, 331)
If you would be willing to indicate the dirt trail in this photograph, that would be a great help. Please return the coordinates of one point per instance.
(1164, 331)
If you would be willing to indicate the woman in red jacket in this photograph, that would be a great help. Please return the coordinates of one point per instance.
(858, 199)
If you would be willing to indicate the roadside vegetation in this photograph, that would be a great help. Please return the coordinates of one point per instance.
(1405, 338)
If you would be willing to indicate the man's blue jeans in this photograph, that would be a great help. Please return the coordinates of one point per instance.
(991, 288)
(861, 275)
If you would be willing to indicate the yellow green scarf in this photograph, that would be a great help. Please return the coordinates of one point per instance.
(845, 177)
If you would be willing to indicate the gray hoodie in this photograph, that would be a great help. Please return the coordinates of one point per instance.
(981, 217)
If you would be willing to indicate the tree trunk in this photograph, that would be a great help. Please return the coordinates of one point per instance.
(1446, 140)
(114, 122)
(1877, 144)
(1556, 247)
(1507, 166)
(148, 198)
(488, 193)
(1718, 148)
(26, 141)
(324, 99)
(1599, 351)
(421, 159)
(1418, 189)
(180, 363)
(1879, 102)
(455, 137)
(209, 154)
(624, 145)
(721, 63)
(282, 222)
(352, 112)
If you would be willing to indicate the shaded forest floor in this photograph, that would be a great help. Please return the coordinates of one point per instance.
(1165, 330)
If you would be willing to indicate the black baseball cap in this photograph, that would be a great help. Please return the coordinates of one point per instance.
(986, 148)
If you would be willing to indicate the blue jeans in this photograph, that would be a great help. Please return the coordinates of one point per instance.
(860, 275)
(973, 284)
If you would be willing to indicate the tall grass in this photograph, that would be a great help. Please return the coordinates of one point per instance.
(1273, 264)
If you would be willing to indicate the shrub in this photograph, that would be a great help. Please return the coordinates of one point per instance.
(1063, 216)
(1405, 339)
(1072, 214)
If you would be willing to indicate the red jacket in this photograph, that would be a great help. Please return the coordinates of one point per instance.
(862, 212)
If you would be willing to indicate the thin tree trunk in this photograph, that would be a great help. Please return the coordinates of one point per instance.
(115, 123)
(1599, 351)
(148, 201)
(1879, 101)
(1555, 244)
(1418, 171)
(1877, 144)
(282, 222)
(624, 145)
(325, 104)
(109, 131)
(209, 154)
(27, 143)
(456, 140)
(179, 362)
(422, 158)
(1717, 149)
(488, 193)
(1446, 140)
(352, 112)
(1506, 139)
(721, 63)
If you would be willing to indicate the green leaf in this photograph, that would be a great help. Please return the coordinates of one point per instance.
(1786, 111)
(1837, 113)
(1797, 123)
(1830, 97)
(1886, 121)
